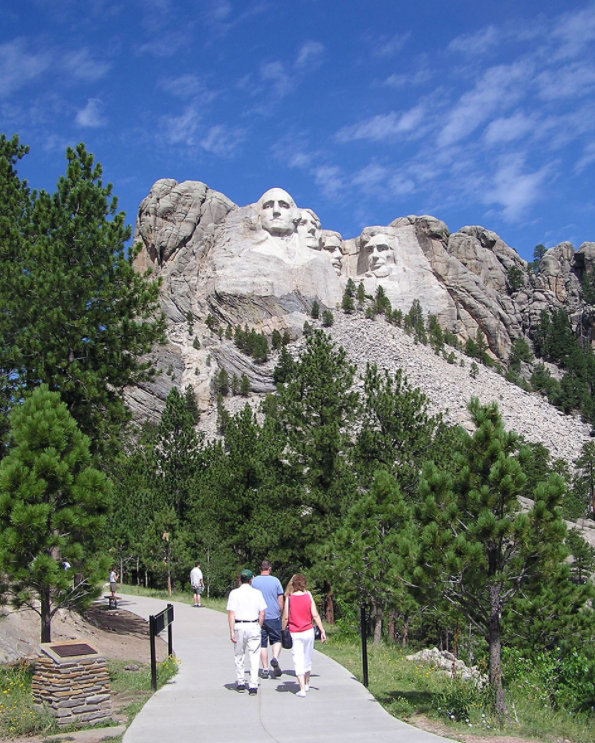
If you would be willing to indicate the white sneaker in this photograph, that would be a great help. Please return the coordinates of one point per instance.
(301, 693)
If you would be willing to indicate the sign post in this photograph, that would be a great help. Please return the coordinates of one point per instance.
(157, 623)
(362, 627)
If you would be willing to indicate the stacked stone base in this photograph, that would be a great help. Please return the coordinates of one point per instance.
(76, 691)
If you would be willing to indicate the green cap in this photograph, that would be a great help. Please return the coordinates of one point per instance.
(247, 574)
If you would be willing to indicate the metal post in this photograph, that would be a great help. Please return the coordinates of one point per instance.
(170, 638)
(364, 643)
(153, 656)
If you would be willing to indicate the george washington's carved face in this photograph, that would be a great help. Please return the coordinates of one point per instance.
(379, 251)
(309, 229)
(278, 212)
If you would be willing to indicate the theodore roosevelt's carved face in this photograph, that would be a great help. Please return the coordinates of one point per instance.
(309, 229)
(277, 211)
(379, 251)
(333, 246)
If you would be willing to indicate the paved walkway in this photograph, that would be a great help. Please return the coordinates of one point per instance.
(202, 706)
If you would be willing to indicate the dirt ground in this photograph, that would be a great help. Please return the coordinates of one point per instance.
(116, 633)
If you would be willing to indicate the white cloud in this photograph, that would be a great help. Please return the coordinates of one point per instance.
(571, 81)
(386, 47)
(187, 87)
(166, 43)
(383, 126)
(273, 74)
(330, 180)
(499, 88)
(586, 158)
(218, 10)
(404, 80)
(401, 185)
(221, 140)
(514, 190)
(83, 66)
(370, 177)
(91, 115)
(480, 42)
(18, 66)
(310, 55)
(509, 129)
(181, 129)
(575, 31)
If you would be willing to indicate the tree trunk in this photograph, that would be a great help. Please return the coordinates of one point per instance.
(329, 610)
(392, 633)
(377, 624)
(495, 648)
(46, 615)
(405, 631)
(121, 570)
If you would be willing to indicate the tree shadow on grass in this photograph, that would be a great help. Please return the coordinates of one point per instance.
(420, 701)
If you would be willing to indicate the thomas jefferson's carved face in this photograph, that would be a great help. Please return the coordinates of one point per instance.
(278, 212)
(309, 229)
(379, 252)
(333, 246)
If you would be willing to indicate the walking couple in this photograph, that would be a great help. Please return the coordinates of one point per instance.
(257, 612)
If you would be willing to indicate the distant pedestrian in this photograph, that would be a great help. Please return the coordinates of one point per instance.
(298, 613)
(197, 583)
(113, 581)
(245, 613)
(272, 590)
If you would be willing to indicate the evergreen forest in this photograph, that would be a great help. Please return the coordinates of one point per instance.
(348, 479)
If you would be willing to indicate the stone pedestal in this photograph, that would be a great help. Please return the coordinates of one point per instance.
(71, 680)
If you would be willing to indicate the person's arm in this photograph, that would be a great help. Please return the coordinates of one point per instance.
(285, 614)
(317, 620)
(261, 617)
(280, 601)
(231, 618)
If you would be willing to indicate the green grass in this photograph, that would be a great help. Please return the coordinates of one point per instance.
(408, 690)
(218, 604)
(18, 717)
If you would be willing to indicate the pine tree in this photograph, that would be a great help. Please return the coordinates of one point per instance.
(191, 405)
(316, 409)
(397, 432)
(364, 552)
(245, 387)
(276, 340)
(76, 315)
(347, 304)
(53, 508)
(361, 294)
(315, 310)
(476, 545)
(327, 319)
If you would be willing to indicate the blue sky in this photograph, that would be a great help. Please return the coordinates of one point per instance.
(364, 110)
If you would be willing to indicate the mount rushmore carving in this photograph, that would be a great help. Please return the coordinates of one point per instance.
(264, 264)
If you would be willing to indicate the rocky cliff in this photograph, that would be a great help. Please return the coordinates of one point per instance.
(265, 263)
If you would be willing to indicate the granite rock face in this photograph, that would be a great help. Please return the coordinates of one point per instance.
(264, 264)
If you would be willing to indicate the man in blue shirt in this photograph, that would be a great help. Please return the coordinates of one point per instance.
(271, 589)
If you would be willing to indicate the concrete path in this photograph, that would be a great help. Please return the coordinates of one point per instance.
(203, 706)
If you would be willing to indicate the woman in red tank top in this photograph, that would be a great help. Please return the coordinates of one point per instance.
(299, 612)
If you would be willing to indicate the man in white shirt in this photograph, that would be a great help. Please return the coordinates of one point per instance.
(245, 613)
(197, 584)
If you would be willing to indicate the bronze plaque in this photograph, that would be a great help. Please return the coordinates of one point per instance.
(70, 651)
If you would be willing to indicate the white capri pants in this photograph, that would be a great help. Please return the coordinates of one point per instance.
(302, 651)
